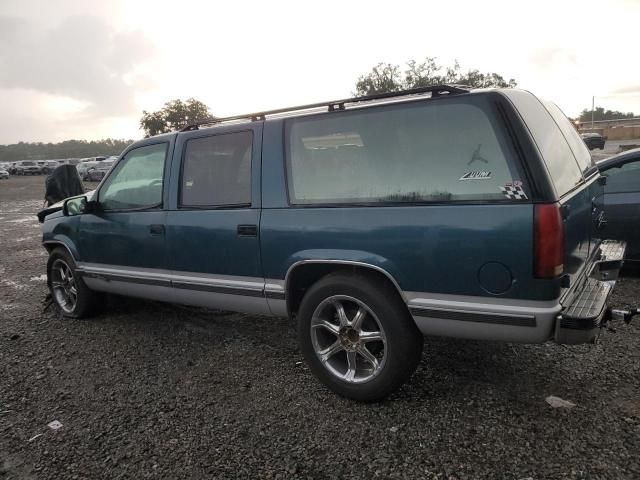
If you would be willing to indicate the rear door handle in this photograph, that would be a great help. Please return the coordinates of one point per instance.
(247, 230)
(156, 229)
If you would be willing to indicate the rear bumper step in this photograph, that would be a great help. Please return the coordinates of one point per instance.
(609, 260)
(581, 319)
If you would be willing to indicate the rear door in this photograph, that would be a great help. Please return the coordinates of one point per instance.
(212, 225)
(572, 173)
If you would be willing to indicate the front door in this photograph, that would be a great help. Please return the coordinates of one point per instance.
(212, 223)
(122, 242)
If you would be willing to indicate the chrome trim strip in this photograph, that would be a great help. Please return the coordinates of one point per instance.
(479, 317)
(474, 302)
(225, 284)
(217, 289)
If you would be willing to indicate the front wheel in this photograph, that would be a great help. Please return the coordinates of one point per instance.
(68, 290)
(357, 336)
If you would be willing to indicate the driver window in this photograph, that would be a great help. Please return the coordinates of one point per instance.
(137, 180)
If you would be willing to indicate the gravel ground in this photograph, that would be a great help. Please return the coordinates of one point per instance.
(147, 390)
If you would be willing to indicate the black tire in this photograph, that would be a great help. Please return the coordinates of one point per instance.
(87, 301)
(404, 342)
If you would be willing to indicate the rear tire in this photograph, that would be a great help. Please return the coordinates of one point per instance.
(68, 291)
(357, 336)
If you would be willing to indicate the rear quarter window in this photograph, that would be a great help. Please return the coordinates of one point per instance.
(438, 150)
(554, 148)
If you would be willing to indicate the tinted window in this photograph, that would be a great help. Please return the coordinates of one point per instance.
(577, 145)
(623, 179)
(217, 170)
(137, 180)
(552, 144)
(424, 151)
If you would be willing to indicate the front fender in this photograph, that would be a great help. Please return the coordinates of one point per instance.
(62, 231)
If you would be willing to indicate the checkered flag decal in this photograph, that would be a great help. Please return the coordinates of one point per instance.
(514, 192)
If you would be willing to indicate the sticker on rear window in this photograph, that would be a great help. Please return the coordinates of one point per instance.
(476, 175)
(513, 190)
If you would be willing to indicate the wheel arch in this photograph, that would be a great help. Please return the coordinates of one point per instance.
(303, 274)
(50, 245)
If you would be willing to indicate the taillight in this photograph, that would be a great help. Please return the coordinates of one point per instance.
(549, 241)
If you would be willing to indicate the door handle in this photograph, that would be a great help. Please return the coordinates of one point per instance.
(156, 229)
(247, 230)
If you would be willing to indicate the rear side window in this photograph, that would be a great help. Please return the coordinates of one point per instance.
(217, 171)
(552, 144)
(441, 150)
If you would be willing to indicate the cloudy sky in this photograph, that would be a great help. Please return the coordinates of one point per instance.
(87, 68)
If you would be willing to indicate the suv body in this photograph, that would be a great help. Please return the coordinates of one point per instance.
(471, 214)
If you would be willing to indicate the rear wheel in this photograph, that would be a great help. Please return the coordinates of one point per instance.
(68, 290)
(357, 336)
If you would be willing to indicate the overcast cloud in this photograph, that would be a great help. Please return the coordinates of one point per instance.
(87, 69)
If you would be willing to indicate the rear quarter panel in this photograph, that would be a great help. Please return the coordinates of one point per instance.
(425, 248)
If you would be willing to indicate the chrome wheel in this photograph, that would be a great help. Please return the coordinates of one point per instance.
(348, 339)
(63, 286)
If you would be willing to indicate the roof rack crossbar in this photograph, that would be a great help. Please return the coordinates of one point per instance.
(435, 90)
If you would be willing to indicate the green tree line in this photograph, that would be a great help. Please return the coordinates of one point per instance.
(66, 149)
(601, 114)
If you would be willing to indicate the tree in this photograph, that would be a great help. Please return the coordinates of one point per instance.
(601, 114)
(174, 115)
(386, 77)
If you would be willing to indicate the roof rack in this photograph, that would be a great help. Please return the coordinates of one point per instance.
(435, 90)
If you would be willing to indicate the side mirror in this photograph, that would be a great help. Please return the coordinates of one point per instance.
(75, 206)
(602, 180)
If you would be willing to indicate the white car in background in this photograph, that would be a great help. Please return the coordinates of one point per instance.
(83, 167)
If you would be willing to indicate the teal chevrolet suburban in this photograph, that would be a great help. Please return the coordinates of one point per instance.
(371, 221)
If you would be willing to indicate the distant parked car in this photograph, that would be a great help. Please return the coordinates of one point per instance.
(49, 166)
(27, 167)
(83, 167)
(98, 172)
(4, 175)
(594, 140)
(622, 199)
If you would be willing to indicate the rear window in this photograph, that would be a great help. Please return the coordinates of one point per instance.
(217, 171)
(441, 150)
(551, 142)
